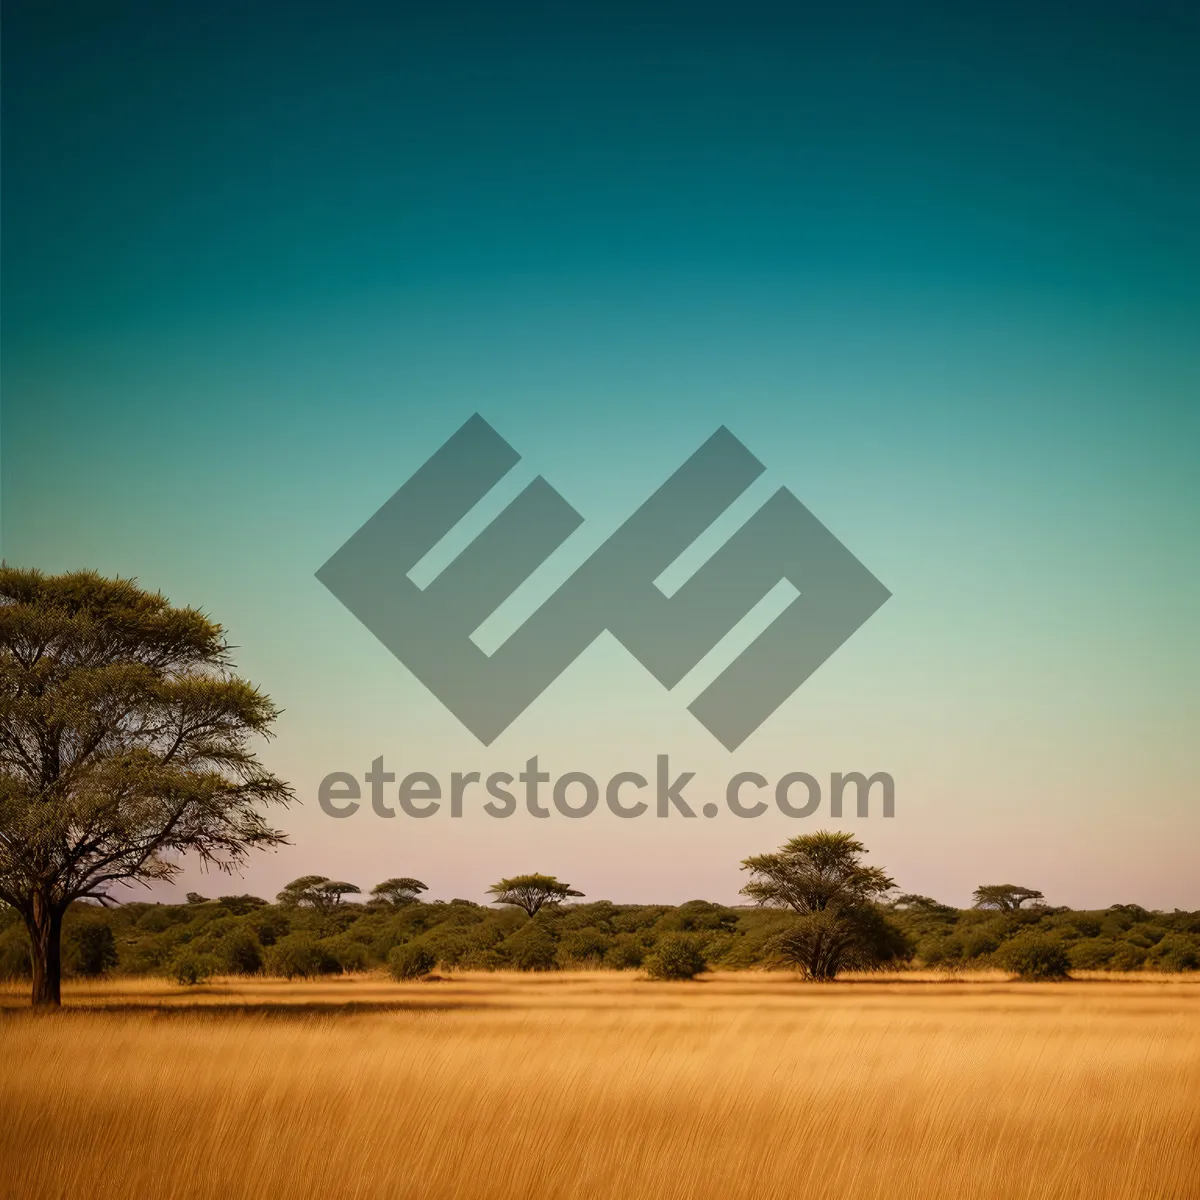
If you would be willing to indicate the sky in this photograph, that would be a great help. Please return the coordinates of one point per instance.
(936, 266)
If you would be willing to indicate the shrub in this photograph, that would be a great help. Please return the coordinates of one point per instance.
(676, 956)
(626, 952)
(1175, 952)
(1094, 954)
(240, 953)
(160, 917)
(583, 946)
(349, 954)
(1127, 957)
(241, 905)
(89, 949)
(410, 961)
(718, 947)
(190, 968)
(938, 951)
(298, 955)
(15, 962)
(823, 943)
(695, 916)
(531, 948)
(979, 942)
(1034, 956)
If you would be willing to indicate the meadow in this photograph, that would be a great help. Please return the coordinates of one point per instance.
(603, 1084)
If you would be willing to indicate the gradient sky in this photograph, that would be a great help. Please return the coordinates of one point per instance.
(937, 266)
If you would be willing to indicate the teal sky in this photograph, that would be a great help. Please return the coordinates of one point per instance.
(939, 270)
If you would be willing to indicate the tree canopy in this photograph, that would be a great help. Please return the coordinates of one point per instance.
(815, 871)
(1006, 897)
(125, 740)
(821, 878)
(402, 890)
(531, 892)
(317, 891)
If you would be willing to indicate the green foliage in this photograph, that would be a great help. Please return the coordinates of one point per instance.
(1092, 954)
(161, 917)
(316, 892)
(240, 935)
(1006, 897)
(300, 956)
(1127, 957)
(838, 924)
(531, 892)
(625, 953)
(152, 738)
(698, 915)
(815, 871)
(240, 953)
(1175, 952)
(1035, 956)
(531, 948)
(241, 905)
(89, 948)
(190, 968)
(676, 956)
(583, 947)
(410, 961)
(400, 891)
(15, 963)
(347, 952)
(823, 943)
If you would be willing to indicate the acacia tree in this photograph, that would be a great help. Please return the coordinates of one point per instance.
(398, 892)
(531, 892)
(1006, 897)
(125, 740)
(820, 877)
(316, 891)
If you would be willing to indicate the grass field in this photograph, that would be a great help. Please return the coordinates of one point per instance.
(598, 1085)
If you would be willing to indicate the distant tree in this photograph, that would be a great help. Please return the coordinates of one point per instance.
(301, 892)
(190, 968)
(676, 956)
(90, 948)
(317, 892)
(241, 953)
(1034, 956)
(125, 740)
(333, 891)
(241, 905)
(815, 871)
(824, 943)
(820, 877)
(399, 891)
(531, 892)
(916, 903)
(14, 954)
(300, 955)
(196, 898)
(1004, 897)
(410, 961)
(1175, 952)
(530, 948)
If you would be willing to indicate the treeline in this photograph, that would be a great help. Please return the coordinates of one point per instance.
(314, 927)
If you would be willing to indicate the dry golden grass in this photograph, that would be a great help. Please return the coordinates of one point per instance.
(601, 1085)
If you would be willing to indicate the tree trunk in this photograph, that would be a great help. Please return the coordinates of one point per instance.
(44, 923)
